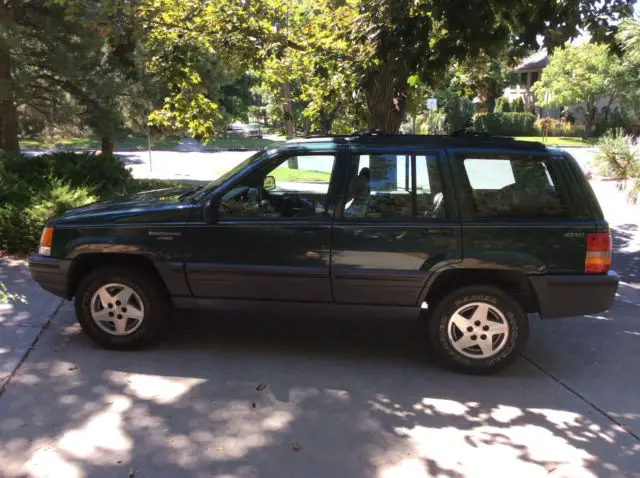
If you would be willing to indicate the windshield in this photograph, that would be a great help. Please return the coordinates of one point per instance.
(202, 192)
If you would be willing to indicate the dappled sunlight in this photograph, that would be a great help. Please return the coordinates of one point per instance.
(217, 406)
(152, 387)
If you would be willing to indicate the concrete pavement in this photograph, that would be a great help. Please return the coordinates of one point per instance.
(345, 398)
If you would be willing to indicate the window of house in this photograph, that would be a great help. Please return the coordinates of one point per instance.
(523, 79)
(518, 187)
(383, 186)
(293, 187)
(535, 76)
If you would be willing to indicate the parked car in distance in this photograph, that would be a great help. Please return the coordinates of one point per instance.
(253, 131)
(241, 130)
(472, 235)
(236, 130)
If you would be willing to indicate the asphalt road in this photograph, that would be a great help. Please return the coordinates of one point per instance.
(341, 398)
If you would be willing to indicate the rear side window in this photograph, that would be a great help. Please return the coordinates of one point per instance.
(514, 187)
(395, 187)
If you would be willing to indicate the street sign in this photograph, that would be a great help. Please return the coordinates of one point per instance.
(432, 103)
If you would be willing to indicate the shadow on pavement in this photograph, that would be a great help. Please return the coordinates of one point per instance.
(341, 398)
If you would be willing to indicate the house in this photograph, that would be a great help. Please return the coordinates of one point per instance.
(527, 73)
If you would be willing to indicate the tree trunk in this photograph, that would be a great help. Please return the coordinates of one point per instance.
(307, 126)
(108, 146)
(8, 116)
(288, 111)
(387, 97)
(589, 117)
(490, 102)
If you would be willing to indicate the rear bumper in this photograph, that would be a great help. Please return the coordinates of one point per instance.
(569, 295)
(51, 274)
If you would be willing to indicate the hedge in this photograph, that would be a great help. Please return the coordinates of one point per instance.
(509, 124)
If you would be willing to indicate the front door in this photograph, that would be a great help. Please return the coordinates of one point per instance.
(271, 240)
(396, 225)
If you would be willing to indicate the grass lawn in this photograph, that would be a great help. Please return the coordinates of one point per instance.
(140, 143)
(129, 142)
(285, 174)
(559, 141)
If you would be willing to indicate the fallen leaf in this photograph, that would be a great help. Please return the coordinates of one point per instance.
(261, 387)
(132, 473)
(295, 446)
(253, 405)
(75, 367)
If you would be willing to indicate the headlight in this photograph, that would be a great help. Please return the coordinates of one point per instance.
(45, 241)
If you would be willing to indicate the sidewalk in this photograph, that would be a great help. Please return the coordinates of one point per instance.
(21, 324)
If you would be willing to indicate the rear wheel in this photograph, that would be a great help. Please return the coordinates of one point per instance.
(122, 308)
(478, 329)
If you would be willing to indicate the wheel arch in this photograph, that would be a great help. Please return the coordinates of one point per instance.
(85, 263)
(514, 283)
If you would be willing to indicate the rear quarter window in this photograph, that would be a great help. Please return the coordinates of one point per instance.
(513, 187)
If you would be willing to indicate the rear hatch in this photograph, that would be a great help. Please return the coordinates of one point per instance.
(589, 226)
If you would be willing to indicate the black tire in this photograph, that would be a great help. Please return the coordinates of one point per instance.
(515, 341)
(152, 293)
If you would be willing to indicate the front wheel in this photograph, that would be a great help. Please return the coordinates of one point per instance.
(478, 329)
(122, 308)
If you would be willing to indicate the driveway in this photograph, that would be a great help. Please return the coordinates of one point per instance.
(256, 396)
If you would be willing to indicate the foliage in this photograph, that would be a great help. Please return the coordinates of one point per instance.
(555, 127)
(486, 77)
(510, 124)
(618, 157)
(454, 112)
(502, 105)
(7, 296)
(581, 75)
(517, 105)
(34, 189)
(432, 122)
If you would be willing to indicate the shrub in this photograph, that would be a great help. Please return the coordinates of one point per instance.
(517, 105)
(618, 157)
(34, 189)
(511, 124)
(502, 105)
(559, 128)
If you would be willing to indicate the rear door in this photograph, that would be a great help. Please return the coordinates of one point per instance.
(395, 224)
(518, 211)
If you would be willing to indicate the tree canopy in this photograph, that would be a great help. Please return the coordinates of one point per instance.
(322, 59)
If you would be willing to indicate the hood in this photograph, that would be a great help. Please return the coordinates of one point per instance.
(147, 206)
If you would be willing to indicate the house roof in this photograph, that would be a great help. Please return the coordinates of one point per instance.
(538, 61)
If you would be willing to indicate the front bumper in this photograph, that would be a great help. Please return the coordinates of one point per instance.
(569, 295)
(51, 274)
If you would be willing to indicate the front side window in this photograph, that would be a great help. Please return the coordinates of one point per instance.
(293, 187)
(394, 186)
(516, 187)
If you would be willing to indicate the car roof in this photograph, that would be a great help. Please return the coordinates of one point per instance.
(401, 140)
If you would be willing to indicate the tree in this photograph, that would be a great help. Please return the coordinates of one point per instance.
(580, 76)
(425, 35)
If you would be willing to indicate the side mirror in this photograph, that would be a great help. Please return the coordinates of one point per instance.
(269, 183)
(210, 210)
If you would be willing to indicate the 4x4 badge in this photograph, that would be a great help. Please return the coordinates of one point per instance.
(574, 234)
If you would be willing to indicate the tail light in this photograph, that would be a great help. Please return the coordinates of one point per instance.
(598, 258)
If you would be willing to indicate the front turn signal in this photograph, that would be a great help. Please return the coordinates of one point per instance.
(45, 241)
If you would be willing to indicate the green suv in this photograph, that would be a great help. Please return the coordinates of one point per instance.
(470, 234)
